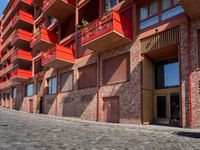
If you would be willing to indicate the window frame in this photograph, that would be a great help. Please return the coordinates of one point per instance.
(26, 90)
(49, 87)
(158, 14)
(163, 63)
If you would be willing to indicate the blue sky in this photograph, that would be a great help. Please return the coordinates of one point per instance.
(3, 4)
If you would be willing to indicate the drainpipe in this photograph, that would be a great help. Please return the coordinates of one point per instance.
(98, 90)
(56, 113)
(189, 69)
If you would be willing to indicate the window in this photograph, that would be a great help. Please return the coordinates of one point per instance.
(66, 81)
(29, 90)
(52, 85)
(109, 4)
(87, 76)
(154, 11)
(167, 74)
(14, 93)
(116, 69)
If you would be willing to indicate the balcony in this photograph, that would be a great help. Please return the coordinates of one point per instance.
(6, 84)
(57, 8)
(20, 75)
(7, 43)
(108, 32)
(17, 4)
(7, 55)
(23, 20)
(22, 39)
(57, 57)
(7, 31)
(7, 70)
(192, 7)
(43, 39)
(22, 57)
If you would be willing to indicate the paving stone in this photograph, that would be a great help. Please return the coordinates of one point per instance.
(19, 130)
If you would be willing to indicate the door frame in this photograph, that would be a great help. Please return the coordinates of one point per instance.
(165, 92)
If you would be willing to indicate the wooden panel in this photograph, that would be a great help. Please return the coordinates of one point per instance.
(111, 109)
(116, 69)
(87, 76)
(161, 40)
(148, 86)
(38, 66)
(66, 81)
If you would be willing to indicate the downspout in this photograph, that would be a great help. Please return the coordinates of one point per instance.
(189, 69)
(98, 90)
(56, 113)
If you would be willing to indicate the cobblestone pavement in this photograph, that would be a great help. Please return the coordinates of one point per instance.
(24, 131)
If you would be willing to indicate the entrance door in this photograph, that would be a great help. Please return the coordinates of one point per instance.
(111, 109)
(174, 109)
(41, 105)
(167, 109)
(31, 106)
(161, 111)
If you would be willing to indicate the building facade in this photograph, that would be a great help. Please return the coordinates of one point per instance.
(120, 61)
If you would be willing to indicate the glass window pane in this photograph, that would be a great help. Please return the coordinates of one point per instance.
(166, 4)
(29, 90)
(143, 13)
(153, 7)
(171, 74)
(110, 4)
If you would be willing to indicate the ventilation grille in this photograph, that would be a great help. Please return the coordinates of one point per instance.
(161, 40)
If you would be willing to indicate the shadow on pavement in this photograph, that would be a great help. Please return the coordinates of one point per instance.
(188, 134)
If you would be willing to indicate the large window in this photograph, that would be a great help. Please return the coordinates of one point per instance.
(66, 81)
(87, 76)
(52, 85)
(154, 11)
(29, 89)
(167, 74)
(116, 69)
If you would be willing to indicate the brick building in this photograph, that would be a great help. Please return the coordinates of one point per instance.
(122, 61)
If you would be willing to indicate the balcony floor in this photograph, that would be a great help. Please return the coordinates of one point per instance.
(106, 42)
(58, 8)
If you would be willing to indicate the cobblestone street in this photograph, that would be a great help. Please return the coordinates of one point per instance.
(23, 131)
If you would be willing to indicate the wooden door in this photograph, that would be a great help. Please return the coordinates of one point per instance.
(111, 109)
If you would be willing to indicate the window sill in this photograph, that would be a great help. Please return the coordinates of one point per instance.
(115, 83)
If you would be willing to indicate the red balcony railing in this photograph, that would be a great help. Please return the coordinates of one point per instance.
(58, 56)
(20, 75)
(17, 4)
(107, 32)
(22, 20)
(22, 38)
(6, 70)
(6, 84)
(21, 56)
(43, 39)
(59, 9)
(7, 55)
